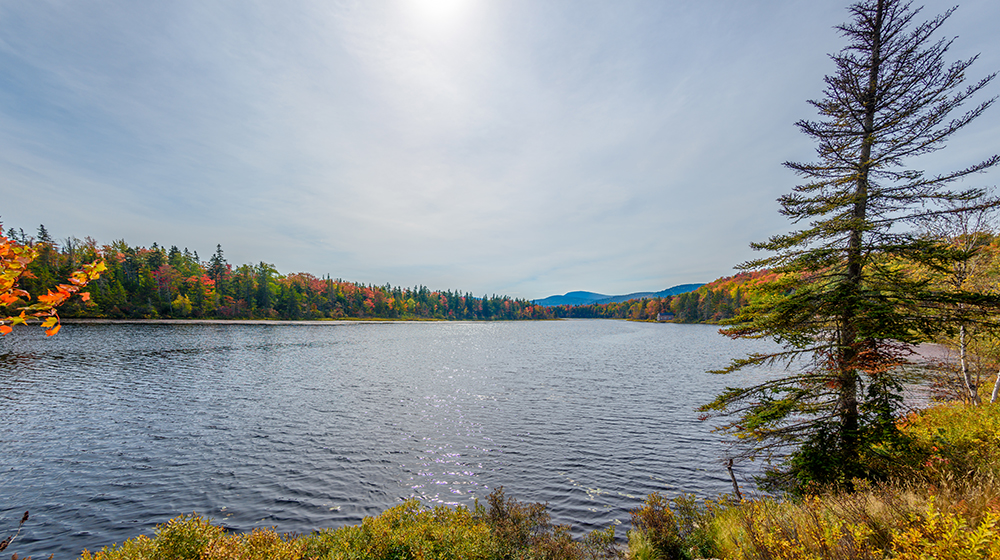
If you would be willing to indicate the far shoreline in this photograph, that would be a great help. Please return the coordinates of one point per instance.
(351, 321)
(104, 321)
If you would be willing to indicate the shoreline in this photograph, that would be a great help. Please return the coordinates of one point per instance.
(102, 321)
(350, 321)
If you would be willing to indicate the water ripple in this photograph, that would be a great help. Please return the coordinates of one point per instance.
(111, 429)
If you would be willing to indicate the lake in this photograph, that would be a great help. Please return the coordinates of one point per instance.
(109, 429)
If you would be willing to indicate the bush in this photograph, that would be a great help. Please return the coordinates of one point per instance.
(516, 526)
(953, 440)
(654, 531)
(601, 544)
(960, 520)
(181, 538)
(507, 529)
(947, 535)
(407, 531)
(694, 525)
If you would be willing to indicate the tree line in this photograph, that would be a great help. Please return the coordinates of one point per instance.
(156, 282)
(159, 283)
(714, 302)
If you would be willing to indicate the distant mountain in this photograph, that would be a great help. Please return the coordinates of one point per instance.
(588, 298)
(572, 298)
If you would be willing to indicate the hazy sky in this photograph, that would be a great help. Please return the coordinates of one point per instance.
(520, 147)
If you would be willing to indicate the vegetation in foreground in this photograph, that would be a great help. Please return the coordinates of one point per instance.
(504, 529)
(940, 499)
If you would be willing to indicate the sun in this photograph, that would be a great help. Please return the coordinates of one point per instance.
(438, 14)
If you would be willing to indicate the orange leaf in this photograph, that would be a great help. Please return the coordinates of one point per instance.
(4, 329)
(51, 298)
(85, 296)
(53, 330)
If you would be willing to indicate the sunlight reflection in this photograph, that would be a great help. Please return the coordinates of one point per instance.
(438, 14)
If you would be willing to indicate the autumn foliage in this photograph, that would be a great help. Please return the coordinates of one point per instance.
(155, 282)
(712, 303)
(15, 259)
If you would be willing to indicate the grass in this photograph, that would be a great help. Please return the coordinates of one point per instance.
(942, 500)
(887, 520)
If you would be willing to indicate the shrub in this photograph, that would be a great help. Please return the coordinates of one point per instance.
(259, 544)
(694, 525)
(947, 535)
(181, 538)
(654, 531)
(601, 543)
(507, 529)
(526, 531)
(767, 528)
(953, 440)
(958, 520)
(407, 531)
(516, 526)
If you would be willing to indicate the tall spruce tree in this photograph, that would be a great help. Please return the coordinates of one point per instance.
(846, 313)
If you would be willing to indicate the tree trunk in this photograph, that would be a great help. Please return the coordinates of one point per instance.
(970, 388)
(848, 374)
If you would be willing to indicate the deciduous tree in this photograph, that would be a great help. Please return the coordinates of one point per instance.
(14, 260)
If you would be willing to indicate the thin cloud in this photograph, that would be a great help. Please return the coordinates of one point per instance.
(517, 147)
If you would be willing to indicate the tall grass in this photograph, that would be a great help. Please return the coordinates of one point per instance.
(887, 520)
(940, 499)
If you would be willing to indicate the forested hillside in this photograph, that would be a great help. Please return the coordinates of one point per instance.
(156, 282)
(710, 303)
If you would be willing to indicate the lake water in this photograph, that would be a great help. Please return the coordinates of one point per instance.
(108, 429)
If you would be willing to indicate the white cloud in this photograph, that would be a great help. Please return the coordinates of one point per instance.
(501, 147)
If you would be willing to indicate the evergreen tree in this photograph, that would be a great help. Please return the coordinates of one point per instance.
(264, 297)
(156, 258)
(217, 264)
(43, 235)
(844, 314)
(44, 269)
(175, 258)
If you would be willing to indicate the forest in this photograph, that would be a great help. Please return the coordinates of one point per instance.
(161, 283)
(156, 282)
(712, 303)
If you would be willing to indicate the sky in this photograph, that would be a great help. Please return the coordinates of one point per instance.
(517, 147)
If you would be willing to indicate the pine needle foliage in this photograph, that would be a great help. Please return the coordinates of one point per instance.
(846, 311)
